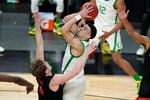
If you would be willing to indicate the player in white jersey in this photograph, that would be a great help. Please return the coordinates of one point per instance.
(107, 23)
(77, 36)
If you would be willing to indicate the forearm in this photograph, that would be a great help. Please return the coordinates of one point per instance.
(22, 82)
(118, 26)
(129, 28)
(13, 79)
(38, 35)
(68, 25)
(6, 78)
(68, 17)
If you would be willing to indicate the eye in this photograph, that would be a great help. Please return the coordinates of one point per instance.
(82, 25)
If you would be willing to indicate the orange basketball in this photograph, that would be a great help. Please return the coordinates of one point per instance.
(94, 13)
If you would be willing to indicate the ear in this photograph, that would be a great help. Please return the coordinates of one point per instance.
(46, 71)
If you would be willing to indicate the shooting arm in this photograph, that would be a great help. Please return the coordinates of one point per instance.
(68, 17)
(69, 37)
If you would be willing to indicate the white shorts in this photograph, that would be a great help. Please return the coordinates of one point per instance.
(74, 89)
(114, 40)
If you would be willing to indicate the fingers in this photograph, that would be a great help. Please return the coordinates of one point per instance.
(85, 11)
(29, 88)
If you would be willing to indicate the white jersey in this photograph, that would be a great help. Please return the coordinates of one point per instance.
(69, 60)
(75, 88)
(107, 16)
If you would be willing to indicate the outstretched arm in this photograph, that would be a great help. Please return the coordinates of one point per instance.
(39, 40)
(131, 31)
(62, 78)
(17, 80)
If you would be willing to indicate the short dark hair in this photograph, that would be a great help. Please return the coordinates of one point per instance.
(93, 30)
(38, 68)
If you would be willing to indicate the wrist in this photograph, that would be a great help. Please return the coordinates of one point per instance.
(78, 17)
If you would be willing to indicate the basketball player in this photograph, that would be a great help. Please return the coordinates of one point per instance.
(76, 34)
(50, 85)
(17, 80)
(107, 23)
(43, 6)
(145, 23)
(144, 92)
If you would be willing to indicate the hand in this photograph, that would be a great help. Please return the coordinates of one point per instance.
(91, 48)
(122, 13)
(29, 88)
(94, 41)
(85, 11)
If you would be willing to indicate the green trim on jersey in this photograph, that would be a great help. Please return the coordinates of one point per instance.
(114, 4)
(67, 64)
(115, 41)
(116, 18)
(71, 58)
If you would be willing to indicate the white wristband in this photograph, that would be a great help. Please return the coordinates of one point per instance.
(78, 17)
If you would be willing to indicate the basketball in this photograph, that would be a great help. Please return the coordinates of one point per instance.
(94, 13)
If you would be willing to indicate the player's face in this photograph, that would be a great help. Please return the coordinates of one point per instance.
(84, 32)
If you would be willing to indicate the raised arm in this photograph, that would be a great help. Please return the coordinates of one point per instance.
(62, 78)
(39, 40)
(129, 28)
(69, 37)
(17, 80)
